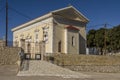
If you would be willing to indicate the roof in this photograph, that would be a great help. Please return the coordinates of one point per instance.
(59, 11)
(32, 21)
(74, 10)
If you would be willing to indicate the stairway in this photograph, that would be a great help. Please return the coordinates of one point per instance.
(25, 65)
(43, 68)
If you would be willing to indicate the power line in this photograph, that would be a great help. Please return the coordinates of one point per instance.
(19, 13)
(76, 3)
(96, 25)
(111, 25)
(2, 9)
(72, 1)
(0, 0)
(1, 4)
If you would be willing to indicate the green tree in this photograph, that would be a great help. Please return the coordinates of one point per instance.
(98, 39)
(91, 38)
(115, 38)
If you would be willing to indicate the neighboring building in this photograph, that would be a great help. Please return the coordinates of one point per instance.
(60, 31)
(93, 51)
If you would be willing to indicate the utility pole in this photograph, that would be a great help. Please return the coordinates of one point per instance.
(105, 46)
(6, 37)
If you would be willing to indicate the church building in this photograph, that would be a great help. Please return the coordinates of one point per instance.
(61, 31)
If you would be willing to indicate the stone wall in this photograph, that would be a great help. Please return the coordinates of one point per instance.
(2, 43)
(95, 68)
(9, 55)
(88, 63)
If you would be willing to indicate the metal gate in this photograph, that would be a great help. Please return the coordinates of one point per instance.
(33, 50)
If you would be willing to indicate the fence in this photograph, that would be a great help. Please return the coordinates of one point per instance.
(34, 49)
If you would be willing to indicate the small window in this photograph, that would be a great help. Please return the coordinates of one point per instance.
(59, 46)
(73, 41)
(29, 47)
(45, 37)
(45, 34)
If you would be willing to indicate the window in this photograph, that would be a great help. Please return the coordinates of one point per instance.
(73, 41)
(28, 47)
(59, 46)
(45, 34)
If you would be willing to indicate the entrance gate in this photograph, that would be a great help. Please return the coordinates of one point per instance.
(34, 50)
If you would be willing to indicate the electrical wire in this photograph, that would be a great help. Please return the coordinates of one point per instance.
(2, 9)
(26, 16)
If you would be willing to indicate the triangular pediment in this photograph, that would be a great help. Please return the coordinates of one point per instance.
(71, 13)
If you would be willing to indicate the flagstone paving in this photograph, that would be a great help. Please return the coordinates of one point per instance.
(43, 68)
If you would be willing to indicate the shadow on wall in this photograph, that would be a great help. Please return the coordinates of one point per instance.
(82, 45)
(68, 21)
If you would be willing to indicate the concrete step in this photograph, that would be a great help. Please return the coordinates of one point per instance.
(43, 68)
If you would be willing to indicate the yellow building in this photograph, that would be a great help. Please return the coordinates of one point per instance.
(60, 31)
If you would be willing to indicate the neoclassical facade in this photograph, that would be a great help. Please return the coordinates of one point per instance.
(60, 31)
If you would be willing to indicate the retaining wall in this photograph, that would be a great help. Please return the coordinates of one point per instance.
(90, 63)
(94, 68)
(9, 55)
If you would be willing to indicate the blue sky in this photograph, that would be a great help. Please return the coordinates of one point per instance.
(97, 11)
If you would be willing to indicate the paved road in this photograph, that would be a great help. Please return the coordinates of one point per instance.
(8, 72)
